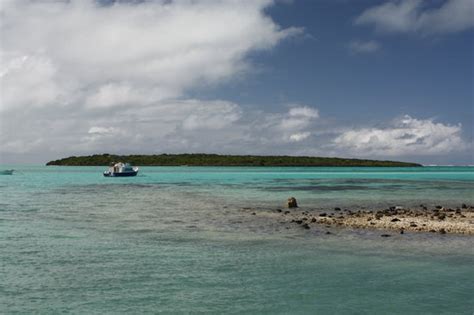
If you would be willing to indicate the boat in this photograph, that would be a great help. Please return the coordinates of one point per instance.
(7, 172)
(121, 170)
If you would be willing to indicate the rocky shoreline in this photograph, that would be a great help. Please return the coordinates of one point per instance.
(438, 219)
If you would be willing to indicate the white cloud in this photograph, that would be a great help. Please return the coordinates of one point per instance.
(102, 130)
(80, 53)
(220, 115)
(91, 72)
(297, 137)
(303, 111)
(357, 46)
(406, 136)
(416, 16)
(298, 118)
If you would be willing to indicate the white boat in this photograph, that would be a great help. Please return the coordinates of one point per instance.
(121, 170)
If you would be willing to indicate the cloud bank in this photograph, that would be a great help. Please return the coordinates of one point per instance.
(405, 136)
(80, 53)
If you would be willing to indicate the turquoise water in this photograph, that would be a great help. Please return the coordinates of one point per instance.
(180, 240)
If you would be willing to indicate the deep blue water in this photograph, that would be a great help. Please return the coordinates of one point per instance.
(177, 240)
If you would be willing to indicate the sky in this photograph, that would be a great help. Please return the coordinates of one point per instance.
(362, 79)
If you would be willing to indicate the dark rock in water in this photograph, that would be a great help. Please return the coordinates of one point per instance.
(313, 219)
(287, 212)
(402, 231)
(253, 213)
(306, 226)
(298, 221)
(322, 214)
(279, 210)
(385, 235)
(432, 231)
(304, 219)
(292, 202)
(395, 220)
(438, 207)
(337, 209)
(442, 231)
(327, 233)
(464, 206)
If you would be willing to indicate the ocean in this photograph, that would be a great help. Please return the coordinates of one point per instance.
(180, 240)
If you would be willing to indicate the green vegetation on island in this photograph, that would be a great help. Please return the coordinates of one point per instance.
(199, 159)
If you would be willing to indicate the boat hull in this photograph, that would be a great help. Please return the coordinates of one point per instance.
(121, 174)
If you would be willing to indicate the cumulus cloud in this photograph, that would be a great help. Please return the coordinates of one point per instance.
(297, 137)
(416, 16)
(298, 118)
(80, 52)
(357, 46)
(405, 136)
(78, 72)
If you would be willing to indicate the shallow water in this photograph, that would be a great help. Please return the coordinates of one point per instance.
(176, 240)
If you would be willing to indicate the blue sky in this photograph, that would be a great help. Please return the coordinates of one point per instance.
(420, 75)
(368, 79)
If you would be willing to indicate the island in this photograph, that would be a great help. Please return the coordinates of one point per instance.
(200, 159)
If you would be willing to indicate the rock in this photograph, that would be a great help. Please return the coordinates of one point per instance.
(306, 226)
(287, 212)
(395, 220)
(442, 216)
(438, 207)
(432, 231)
(337, 209)
(279, 210)
(385, 235)
(322, 214)
(402, 231)
(253, 213)
(292, 202)
(442, 231)
(298, 221)
(464, 206)
(313, 220)
(327, 233)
